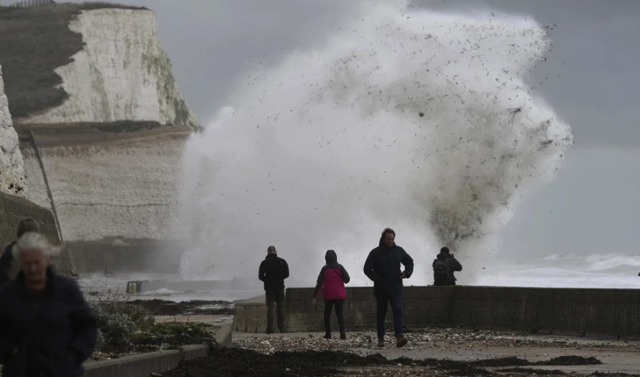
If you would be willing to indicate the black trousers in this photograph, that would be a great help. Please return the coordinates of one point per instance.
(275, 299)
(328, 305)
(396, 309)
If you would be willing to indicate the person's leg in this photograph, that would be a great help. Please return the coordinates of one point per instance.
(339, 314)
(280, 304)
(381, 313)
(328, 304)
(396, 308)
(271, 301)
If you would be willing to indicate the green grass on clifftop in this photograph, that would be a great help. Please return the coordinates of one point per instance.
(34, 42)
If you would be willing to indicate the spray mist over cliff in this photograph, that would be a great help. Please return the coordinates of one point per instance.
(418, 121)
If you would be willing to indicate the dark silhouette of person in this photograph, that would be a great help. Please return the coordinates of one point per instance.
(273, 271)
(443, 268)
(383, 266)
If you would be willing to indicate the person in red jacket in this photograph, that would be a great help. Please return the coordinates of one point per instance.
(331, 281)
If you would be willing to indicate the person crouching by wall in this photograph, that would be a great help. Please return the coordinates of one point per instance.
(46, 326)
(333, 276)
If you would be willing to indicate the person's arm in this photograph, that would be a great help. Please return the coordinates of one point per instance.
(369, 265)
(84, 325)
(407, 261)
(261, 272)
(454, 265)
(319, 284)
(285, 273)
(345, 275)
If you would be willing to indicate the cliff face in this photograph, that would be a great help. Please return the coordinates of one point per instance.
(106, 182)
(12, 176)
(94, 87)
(121, 73)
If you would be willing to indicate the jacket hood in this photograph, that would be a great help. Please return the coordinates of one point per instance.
(444, 255)
(331, 257)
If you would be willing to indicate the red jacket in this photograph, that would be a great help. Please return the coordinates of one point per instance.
(332, 279)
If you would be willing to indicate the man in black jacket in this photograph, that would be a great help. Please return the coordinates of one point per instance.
(6, 260)
(444, 266)
(383, 266)
(273, 271)
(46, 326)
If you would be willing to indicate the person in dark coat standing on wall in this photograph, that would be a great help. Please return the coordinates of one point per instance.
(46, 327)
(443, 268)
(383, 266)
(333, 276)
(273, 271)
(6, 260)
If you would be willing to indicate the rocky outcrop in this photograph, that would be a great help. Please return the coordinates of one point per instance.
(93, 95)
(121, 73)
(12, 177)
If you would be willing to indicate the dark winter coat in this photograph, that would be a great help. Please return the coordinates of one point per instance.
(54, 330)
(383, 266)
(6, 260)
(453, 264)
(273, 270)
(332, 279)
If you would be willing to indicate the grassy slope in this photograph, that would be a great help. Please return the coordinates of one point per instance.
(33, 42)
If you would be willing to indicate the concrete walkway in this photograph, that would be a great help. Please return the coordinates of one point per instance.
(621, 360)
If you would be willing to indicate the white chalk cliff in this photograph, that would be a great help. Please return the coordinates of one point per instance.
(12, 176)
(124, 187)
(111, 179)
(122, 73)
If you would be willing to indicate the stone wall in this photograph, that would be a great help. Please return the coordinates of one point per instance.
(584, 312)
(251, 315)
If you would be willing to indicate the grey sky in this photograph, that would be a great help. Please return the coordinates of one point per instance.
(593, 83)
(593, 73)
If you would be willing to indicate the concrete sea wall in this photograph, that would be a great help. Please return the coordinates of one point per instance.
(584, 312)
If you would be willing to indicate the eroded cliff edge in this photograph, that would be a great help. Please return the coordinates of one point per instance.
(12, 176)
(91, 90)
(93, 62)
